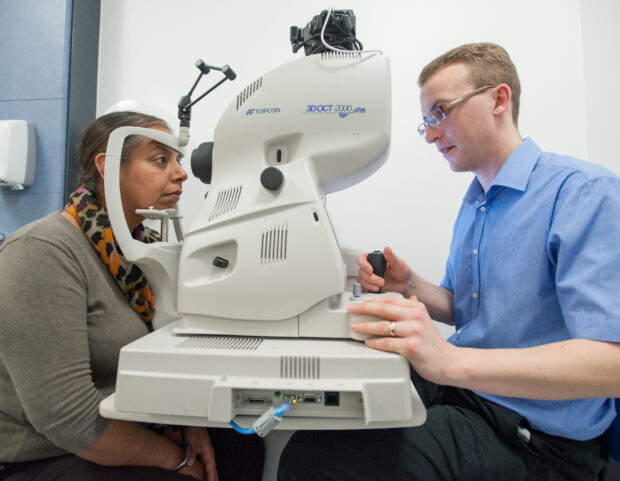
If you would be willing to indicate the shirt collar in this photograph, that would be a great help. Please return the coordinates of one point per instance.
(514, 174)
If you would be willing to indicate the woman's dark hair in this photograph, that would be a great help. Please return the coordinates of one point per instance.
(95, 140)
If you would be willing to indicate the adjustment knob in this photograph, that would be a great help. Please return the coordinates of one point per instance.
(220, 262)
(272, 178)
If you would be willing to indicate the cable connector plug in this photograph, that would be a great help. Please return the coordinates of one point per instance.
(270, 418)
(264, 424)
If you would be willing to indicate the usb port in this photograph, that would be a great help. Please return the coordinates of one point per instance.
(309, 398)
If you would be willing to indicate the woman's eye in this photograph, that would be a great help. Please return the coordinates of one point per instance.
(162, 160)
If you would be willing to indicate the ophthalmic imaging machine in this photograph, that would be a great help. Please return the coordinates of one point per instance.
(251, 322)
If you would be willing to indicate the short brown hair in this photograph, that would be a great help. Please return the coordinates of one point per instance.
(489, 64)
(95, 140)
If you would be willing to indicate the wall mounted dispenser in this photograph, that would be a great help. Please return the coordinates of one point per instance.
(17, 154)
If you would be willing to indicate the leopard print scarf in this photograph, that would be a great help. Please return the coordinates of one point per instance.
(95, 223)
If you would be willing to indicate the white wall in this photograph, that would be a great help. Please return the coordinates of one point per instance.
(601, 52)
(148, 48)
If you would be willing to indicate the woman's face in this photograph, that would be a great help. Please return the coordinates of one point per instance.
(151, 177)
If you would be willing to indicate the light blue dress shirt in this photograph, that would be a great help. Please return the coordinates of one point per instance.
(536, 260)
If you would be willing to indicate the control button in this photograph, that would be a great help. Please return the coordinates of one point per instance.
(220, 262)
(272, 178)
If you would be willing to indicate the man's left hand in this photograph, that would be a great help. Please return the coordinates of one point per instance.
(412, 334)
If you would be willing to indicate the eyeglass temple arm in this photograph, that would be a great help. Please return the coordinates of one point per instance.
(452, 103)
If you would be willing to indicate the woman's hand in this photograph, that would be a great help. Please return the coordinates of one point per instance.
(203, 456)
(397, 274)
(196, 470)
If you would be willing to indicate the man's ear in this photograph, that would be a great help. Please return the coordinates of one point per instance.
(503, 98)
(100, 163)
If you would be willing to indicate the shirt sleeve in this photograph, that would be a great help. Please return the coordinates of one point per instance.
(447, 281)
(583, 249)
(44, 342)
(448, 278)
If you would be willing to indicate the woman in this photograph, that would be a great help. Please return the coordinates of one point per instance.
(70, 301)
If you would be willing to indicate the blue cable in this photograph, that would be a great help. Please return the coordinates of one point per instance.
(278, 412)
(241, 430)
(283, 408)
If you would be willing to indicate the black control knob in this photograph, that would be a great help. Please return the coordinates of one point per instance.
(377, 260)
(220, 262)
(272, 178)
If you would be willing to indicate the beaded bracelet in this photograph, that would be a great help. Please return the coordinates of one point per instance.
(188, 455)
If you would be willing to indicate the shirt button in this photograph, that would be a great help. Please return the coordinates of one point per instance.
(475, 295)
(459, 331)
(483, 209)
(475, 251)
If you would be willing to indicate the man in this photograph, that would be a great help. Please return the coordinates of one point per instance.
(524, 388)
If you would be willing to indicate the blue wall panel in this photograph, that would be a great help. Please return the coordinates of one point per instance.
(35, 38)
(34, 53)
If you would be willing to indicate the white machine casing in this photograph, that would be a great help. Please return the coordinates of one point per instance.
(231, 340)
(324, 122)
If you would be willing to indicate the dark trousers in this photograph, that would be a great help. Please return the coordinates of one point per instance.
(238, 458)
(465, 437)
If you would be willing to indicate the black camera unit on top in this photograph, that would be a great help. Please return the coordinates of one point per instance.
(339, 33)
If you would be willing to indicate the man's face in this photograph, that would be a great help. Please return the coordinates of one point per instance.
(463, 137)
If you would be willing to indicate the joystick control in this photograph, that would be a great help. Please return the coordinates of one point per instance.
(378, 263)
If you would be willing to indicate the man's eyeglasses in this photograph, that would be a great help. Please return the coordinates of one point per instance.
(437, 115)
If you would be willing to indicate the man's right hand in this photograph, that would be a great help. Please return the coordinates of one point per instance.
(397, 274)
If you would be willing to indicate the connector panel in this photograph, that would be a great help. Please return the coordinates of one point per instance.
(303, 403)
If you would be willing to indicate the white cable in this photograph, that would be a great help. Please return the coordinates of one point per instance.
(336, 49)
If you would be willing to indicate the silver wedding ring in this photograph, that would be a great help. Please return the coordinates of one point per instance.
(392, 329)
